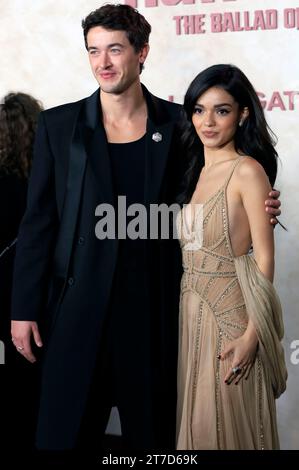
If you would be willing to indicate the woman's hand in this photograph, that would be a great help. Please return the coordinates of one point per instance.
(243, 351)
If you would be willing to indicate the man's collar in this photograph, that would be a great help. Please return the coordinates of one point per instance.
(156, 112)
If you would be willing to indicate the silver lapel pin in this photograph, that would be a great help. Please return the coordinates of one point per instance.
(157, 137)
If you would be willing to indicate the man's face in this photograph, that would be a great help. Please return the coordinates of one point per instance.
(114, 62)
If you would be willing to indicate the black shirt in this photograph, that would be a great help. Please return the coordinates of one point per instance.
(128, 172)
(129, 303)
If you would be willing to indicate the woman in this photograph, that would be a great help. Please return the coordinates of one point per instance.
(231, 362)
(18, 119)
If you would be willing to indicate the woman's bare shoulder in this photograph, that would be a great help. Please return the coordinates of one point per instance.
(250, 169)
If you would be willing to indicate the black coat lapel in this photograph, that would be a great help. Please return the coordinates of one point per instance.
(160, 128)
(95, 142)
(76, 172)
(156, 158)
(88, 144)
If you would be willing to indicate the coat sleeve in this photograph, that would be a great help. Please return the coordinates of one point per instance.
(37, 234)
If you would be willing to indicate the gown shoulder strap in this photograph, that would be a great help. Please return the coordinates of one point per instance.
(233, 167)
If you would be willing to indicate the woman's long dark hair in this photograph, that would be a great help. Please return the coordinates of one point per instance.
(254, 138)
(18, 120)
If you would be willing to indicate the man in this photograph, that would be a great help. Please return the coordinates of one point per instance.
(110, 305)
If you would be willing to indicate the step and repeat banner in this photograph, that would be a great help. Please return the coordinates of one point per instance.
(42, 53)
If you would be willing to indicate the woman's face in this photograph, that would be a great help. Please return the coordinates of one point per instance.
(215, 117)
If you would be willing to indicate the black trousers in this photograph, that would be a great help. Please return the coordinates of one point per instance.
(116, 383)
(128, 371)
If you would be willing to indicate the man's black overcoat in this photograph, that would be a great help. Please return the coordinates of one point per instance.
(63, 273)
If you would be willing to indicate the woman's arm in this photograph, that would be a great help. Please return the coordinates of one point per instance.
(254, 186)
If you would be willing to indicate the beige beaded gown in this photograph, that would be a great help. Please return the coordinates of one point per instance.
(218, 294)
